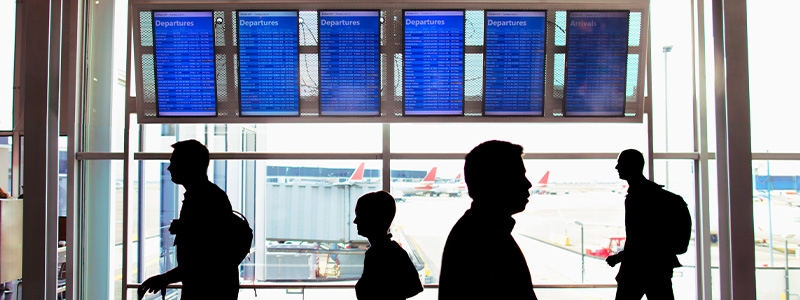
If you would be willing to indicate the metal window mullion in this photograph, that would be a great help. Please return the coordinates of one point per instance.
(41, 65)
(648, 104)
(130, 109)
(702, 214)
(776, 156)
(73, 91)
(386, 173)
(100, 155)
(737, 275)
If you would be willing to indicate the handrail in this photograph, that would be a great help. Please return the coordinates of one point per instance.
(350, 286)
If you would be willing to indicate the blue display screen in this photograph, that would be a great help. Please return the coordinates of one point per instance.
(433, 62)
(597, 56)
(184, 58)
(269, 83)
(514, 62)
(349, 43)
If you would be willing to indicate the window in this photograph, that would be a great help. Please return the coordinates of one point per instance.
(8, 21)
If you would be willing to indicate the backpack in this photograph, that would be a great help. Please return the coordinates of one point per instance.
(241, 237)
(679, 223)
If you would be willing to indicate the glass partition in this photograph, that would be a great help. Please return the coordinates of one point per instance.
(534, 137)
(8, 30)
(6, 174)
(776, 221)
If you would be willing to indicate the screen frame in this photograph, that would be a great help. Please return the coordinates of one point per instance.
(155, 64)
(380, 63)
(566, 62)
(463, 60)
(239, 69)
(544, 66)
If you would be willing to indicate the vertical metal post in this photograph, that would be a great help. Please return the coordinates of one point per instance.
(386, 158)
(734, 157)
(786, 269)
(769, 209)
(583, 253)
(702, 223)
(583, 257)
(666, 50)
(41, 65)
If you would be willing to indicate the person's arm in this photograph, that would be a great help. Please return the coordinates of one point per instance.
(160, 282)
(3, 194)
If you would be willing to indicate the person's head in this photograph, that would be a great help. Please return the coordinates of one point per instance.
(188, 162)
(495, 176)
(374, 214)
(630, 164)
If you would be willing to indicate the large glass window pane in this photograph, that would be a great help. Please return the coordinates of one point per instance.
(678, 176)
(672, 50)
(275, 138)
(565, 193)
(104, 116)
(771, 65)
(301, 212)
(776, 213)
(62, 176)
(534, 137)
(6, 174)
(8, 30)
(102, 206)
(713, 218)
(323, 138)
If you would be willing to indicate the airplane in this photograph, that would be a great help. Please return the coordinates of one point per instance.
(356, 178)
(545, 187)
(425, 187)
(457, 188)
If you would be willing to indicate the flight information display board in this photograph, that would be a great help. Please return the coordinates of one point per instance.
(596, 67)
(349, 70)
(433, 62)
(269, 77)
(184, 59)
(514, 63)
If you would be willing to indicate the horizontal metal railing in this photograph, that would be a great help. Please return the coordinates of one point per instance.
(350, 286)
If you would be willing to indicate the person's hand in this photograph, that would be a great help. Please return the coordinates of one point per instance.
(154, 285)
(175, 226)
(613, 260)
(3, 194)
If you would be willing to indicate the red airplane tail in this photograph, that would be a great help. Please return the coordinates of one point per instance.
(358, 175)
(431, 177)
(545, 178)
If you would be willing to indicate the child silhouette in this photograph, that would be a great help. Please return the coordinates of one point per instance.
(388, 271)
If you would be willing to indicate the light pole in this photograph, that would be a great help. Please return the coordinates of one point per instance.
(769, 209)
(666, 49)
(583, 253)
(786, 269)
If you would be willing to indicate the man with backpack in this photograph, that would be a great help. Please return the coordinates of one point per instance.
(658, 227)
(208, 261)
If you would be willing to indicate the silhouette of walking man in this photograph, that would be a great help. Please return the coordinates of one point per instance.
(388, 271)
(495, 177)
(657, 226)
(199, 232)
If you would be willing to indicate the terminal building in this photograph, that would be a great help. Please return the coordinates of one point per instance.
(307, 105)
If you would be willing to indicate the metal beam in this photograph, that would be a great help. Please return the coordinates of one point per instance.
(734, 171)
(41, 64)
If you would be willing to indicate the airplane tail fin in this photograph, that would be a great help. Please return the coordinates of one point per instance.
(458, 177)
(545, 178)
(431, 177)
(358, 175)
